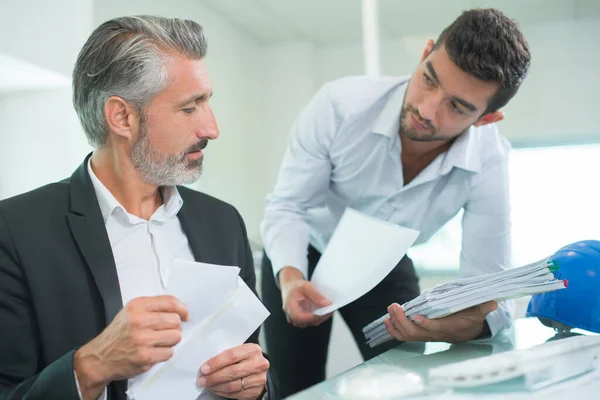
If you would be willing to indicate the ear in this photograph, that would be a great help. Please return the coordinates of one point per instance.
(121, 117)
(428, 49)
(489, 118)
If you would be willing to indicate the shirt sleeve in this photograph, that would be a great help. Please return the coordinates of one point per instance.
(301, 184)
(486, 238)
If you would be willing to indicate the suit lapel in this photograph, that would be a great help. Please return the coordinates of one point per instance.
(89, 231)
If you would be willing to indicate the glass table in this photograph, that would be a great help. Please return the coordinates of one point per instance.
(401, 372)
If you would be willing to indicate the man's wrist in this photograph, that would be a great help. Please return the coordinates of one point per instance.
(289, 274)
(88, 371)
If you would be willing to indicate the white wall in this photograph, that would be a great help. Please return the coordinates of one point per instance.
(555, 103)
(40, 137)
(48, 33)
(40, 140)
(289, 83)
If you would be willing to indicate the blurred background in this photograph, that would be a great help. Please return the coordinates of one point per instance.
(268, 57)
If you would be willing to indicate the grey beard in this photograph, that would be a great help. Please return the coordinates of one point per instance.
(161, 169)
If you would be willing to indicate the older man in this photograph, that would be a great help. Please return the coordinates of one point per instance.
(84, 262)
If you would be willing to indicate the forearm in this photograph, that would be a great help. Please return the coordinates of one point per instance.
(285, 236)
(90, 380)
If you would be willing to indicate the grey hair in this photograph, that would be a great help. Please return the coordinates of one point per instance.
(126, 57)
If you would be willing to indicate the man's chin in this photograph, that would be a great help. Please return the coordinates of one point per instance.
(420, 137)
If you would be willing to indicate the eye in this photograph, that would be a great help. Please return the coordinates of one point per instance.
(428, 80)
(455, 108)
(189, 110)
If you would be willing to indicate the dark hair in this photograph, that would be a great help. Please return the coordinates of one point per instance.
(489, 46)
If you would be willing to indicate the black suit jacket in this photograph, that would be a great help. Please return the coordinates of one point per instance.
(58, 279)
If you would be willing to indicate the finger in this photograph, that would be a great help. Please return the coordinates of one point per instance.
(313, 295)
(156, 321)
(229, 377)
(404, 324)
(392, 330)
(165, 338)
(166, 303)
(148, 356)
(486, 308)
(250, 381)
(433, 325)
(233, 373)
(230, 357)
(298, 315)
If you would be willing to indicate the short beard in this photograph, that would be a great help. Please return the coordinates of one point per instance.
(411, 133)
(162, 169)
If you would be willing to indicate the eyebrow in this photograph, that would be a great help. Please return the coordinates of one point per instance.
(195, 98)
(462, 102)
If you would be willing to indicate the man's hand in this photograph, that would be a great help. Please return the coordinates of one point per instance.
(460, 327)
(237, 373)
(299, 298)
(141, 335)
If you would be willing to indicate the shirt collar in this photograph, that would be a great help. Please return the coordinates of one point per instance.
(463, 153)
(172, 201)
(388, 121)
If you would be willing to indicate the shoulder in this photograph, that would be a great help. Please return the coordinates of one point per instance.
(493, 148)
(211, 207)
(39, 202)
(353, 94)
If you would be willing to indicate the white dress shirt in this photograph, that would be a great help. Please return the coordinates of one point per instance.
(144, 250)
(344, 151)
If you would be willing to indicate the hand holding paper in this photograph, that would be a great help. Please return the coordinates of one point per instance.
(362, 251)
(453, 297)
(141, 335)
(299, 298)
(223, 312)
(460, 327)
(237, 373)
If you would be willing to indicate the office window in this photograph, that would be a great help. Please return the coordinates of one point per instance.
(555, 196)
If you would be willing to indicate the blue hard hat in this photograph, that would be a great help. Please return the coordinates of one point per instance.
(578, 305)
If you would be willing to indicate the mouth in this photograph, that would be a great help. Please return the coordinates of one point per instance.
(194, 155)
(196, 151)
(419, 126)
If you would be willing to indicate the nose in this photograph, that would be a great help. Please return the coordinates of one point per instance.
(207, 125)
(429, 107)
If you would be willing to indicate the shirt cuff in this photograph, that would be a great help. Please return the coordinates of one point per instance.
(282, 256)
(102, 396)
(501, 318)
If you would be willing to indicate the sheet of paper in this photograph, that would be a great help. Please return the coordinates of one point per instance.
(216, 324)
(362, 251)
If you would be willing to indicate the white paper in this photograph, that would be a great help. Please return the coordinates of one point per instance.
(362, 251)
(224, 312)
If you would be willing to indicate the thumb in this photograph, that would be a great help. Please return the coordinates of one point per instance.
(487, 307)
(314, 296)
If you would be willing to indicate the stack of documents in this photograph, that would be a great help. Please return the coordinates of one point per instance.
(458, 295)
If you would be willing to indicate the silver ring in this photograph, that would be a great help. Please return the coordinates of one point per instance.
(242, 381)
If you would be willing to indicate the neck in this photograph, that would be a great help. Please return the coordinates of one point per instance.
(116, 171)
